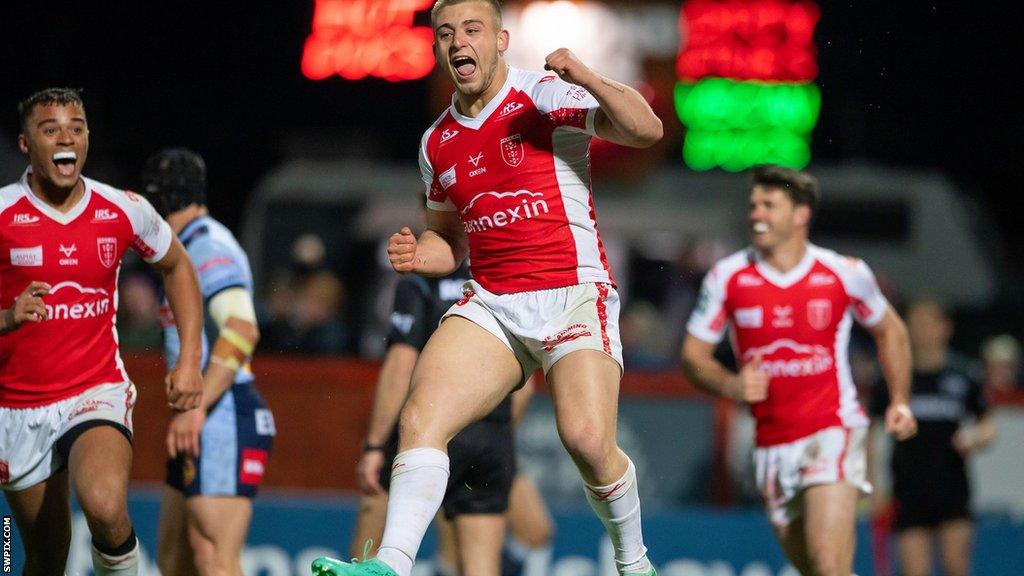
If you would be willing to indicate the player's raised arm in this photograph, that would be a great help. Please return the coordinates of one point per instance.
(438, 251)
(624, 117)
(184, 383)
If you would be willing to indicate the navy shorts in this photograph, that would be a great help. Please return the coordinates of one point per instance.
(233, 449)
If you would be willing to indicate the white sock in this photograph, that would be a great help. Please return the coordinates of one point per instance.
(618, 507)
(126, 564)
(419, 479)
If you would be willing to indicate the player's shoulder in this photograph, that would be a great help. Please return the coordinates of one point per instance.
(841, 264)
(729, 266)
(436, 126)
(124, 199)
(10, 194)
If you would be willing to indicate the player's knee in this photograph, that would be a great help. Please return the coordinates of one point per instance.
(590, 444)
(538, 535)
(103, 507)
(826, 563)
(418, 423)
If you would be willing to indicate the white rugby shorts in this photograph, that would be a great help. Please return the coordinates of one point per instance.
(29, 436)
(543, 326)
(828, 456)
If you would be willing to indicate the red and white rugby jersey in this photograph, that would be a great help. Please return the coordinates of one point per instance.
(519, 176)
(78, 254)
(799, 322)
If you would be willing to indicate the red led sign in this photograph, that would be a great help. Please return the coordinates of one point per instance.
(359, 38)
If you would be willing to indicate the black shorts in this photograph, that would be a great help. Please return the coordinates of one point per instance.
(929, 512)
(482, 465)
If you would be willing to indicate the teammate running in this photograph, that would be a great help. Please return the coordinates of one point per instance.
(791, 305)
(65, 399)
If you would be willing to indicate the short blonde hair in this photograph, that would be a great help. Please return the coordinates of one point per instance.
(494, 4)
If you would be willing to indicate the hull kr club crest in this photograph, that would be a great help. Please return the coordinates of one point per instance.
(512, 150)
(107, 247)
(819, 313)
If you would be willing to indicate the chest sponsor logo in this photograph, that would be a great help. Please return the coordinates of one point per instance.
(68, 252)
(90, 303)
(569, 334)
(510, 108)
(104, 215)
(512, 151)
(749, 280)
(24, 219)
(821, 279)
(782, 316)
(509, 208)
(447, 134)
(819, 313)
(447, 178)
(750, 317)
(475, 161)
(27, 256)
(787, 358)
(106, 246)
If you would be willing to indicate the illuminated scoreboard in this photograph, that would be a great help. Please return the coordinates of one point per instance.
(746, 91)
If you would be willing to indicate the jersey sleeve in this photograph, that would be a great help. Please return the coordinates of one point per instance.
(410, 314)
(216, 266)
(708, 320)
(869, 304)
(437, 198)
(566, 105)
(151, 233)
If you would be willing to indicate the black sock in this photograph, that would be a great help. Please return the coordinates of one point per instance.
(125, 547)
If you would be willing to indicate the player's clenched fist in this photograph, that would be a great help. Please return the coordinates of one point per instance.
(568, 67)
(28, 306)
(751, 384)
(184, 387)
(900, 421)
(402, 251)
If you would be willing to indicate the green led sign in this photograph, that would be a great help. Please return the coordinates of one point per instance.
(745, 92)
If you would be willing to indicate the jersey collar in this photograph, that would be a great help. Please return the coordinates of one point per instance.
(787, 279)
(51, 212)
(476, 123)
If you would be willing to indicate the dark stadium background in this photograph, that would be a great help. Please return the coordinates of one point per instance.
(908, 83)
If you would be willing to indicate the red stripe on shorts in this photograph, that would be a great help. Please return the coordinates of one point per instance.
(841, 465)
(602, 316)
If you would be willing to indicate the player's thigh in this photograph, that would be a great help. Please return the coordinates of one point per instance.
(462, 374)
(369, 525)
(528, 517)
(914, 551)
(43, 516)
(480, 538)
(585, 392)
(174, 551)
(99, 464)
(830, 522)
(956, 538)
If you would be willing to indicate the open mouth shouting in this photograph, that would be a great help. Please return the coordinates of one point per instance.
(464, 66)
(65, 162)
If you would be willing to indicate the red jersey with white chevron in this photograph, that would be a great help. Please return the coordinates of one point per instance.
(519, 176)
(78, 254)
(799, 322)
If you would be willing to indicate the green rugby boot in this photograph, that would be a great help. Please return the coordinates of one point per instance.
(324, 566)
